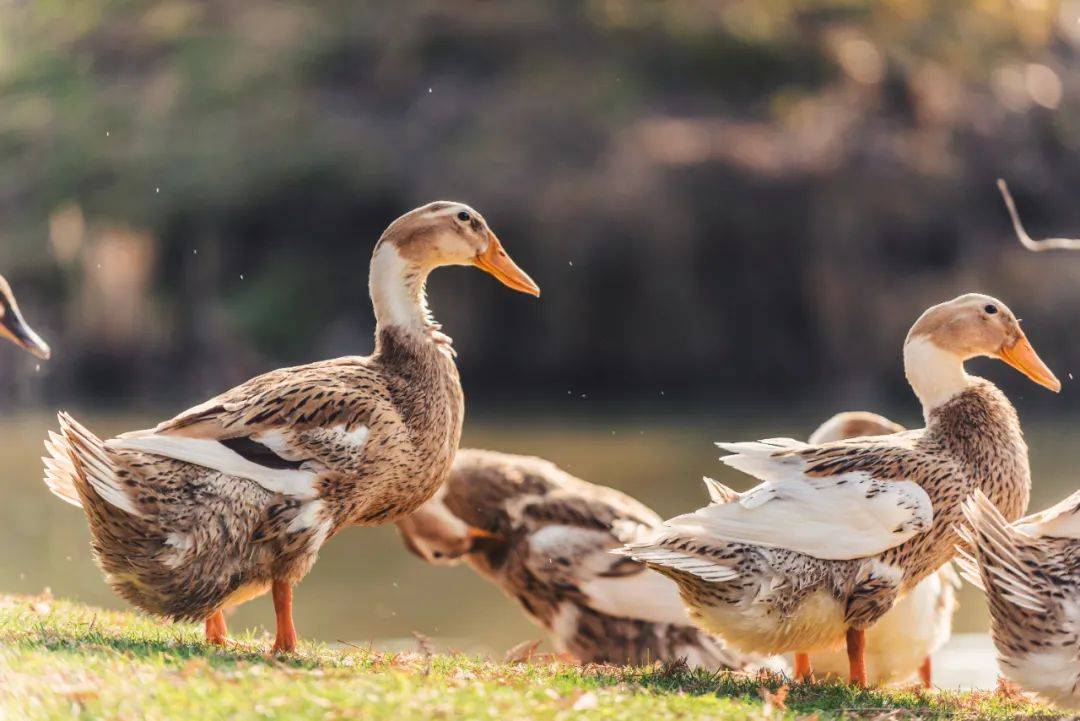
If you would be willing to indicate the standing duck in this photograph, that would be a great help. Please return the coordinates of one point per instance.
(1030, 571)
(236, 496)
(821, 550)
(544, 537)
(15, 329)
(902, 642)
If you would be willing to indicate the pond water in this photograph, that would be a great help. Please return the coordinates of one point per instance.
(367, 587)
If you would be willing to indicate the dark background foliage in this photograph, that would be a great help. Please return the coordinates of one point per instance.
(723, 201)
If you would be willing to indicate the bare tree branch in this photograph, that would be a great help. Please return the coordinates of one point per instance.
(1026, 240)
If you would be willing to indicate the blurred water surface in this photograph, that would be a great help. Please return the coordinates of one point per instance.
(367, 587)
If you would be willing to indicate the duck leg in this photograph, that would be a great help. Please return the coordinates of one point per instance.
(926, 673)
(216, 631)
(285, 642)
(856, 653)
(803, 671)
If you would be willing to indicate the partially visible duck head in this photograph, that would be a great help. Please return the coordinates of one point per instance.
(853, 424)
(971, 325)
(438, 536)
(14, 328)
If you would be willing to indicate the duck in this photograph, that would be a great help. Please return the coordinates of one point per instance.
(14, 328)
(235, 496)
(836, 532)
(1030, 573)
(901, 643)
(543, 537)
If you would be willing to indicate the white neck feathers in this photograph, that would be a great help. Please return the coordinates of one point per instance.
(397, 290)
(935, 375)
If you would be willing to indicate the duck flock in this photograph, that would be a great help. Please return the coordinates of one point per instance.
(836, 564)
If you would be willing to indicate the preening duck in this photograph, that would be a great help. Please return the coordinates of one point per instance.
(901, 643)
(1030, 571)
(15, 329)
(821, 550)
(237, 495)
(544, 537)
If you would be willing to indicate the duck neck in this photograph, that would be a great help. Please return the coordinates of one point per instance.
(397, 287)
(935, 375)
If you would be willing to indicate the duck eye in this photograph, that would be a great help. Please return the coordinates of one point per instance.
(463, 217)
(437, 554)
(991, 309)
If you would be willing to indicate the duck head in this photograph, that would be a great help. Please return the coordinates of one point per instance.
(438, 536)
(438, 234)
(971, 325)
(853, 424)
(14, 328)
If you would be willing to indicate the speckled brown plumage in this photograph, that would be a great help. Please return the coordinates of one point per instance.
(1030, 572)
(208, 509)
(543, 537)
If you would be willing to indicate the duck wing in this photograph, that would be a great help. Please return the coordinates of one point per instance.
(833, 502)
(579, 561)
(280, 429)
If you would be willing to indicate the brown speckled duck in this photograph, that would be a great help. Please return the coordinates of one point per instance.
(544, 537)
(820, 550)
(15, 329)
(237, 495)
(1030, 571)
(900, 644)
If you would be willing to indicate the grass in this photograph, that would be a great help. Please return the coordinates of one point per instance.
(62, 660)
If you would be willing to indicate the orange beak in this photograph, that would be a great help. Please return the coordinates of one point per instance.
(1021, 356)
(480, 533)
(494, 260)
(481, 541)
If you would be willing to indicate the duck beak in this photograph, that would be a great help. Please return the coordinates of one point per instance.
(1021, 356)
(481, 539)
(15, 329)
(494, 260)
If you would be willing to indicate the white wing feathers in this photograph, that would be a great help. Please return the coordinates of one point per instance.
(681, 561)
(640, 540)
(718, 492)
(640, 594)
(758, 459)
(212, 454)
(647, 596)
(838, 517)
(1061, 520)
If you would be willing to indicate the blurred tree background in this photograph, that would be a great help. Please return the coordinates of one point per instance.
(723, 201)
